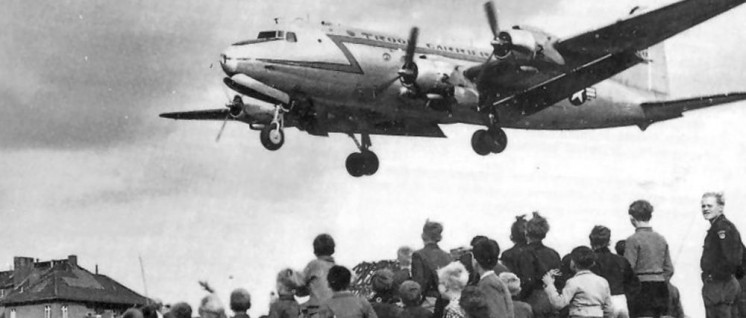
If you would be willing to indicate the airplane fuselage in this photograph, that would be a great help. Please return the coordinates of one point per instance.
(343, 67)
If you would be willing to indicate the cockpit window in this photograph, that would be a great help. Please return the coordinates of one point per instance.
(266, 36)
(291, 37)
(269, 35)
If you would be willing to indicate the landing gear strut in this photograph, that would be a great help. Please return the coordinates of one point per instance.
(493, 140)
(363, 163)
(272, 136)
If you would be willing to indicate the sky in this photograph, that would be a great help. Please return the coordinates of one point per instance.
(89, 169)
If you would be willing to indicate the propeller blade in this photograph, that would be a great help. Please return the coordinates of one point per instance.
(489, 8)
(411, 45)
(222, 128)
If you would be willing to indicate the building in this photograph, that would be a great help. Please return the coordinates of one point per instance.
(61, 289)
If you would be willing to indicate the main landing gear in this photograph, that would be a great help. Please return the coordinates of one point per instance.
(493, 140)
(363, 163)
(272, 136)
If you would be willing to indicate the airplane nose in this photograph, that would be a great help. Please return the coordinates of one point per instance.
(228, 62)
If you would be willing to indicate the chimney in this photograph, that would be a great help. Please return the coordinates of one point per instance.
(72, 260)
(96, 269)
(22, 267)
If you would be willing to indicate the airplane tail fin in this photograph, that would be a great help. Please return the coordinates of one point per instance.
(650, 76)
(663, 110)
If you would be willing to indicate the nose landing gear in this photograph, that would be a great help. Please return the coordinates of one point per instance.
(272, 136)
(363, 163)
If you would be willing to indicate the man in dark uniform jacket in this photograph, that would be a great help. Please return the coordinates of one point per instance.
(425, 263)
(721, 258)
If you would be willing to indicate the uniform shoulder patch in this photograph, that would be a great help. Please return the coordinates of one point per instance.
(721, 234)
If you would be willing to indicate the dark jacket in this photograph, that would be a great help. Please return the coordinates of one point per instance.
(385, 305)
(617, 271)
(510, 257)
(415, 312)
(425, 263)
(345, 304)
(723, 250)
(534, 261)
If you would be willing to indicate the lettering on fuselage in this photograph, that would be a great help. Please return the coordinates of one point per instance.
(434, 47)
(381, 41)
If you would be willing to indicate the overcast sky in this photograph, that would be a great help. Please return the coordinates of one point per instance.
(88, 168)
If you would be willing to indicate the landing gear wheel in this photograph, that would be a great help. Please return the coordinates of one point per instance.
(499, 140)
(370, 163)
(272, 137)
(480, 142)
(355, 164)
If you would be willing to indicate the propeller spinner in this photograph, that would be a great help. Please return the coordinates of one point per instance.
(502, 43)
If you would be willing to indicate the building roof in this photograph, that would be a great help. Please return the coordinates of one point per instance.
(64, 281)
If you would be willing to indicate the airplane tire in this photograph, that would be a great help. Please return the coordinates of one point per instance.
(355, 164)
(499, 140)
(481, 141)
(272, 138)
(370, 163)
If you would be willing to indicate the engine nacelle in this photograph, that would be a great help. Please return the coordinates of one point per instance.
(523, 41)
(253, 108)
(434, 78)
(529, 44)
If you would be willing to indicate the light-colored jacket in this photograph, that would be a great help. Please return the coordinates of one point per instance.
(587, 294)
(315, 274)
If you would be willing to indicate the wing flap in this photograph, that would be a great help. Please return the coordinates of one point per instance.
(549, 92)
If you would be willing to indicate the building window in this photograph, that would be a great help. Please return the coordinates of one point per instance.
(12, 313)
(64, 311)
(47, 312)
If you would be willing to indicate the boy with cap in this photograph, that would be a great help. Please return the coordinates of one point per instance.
(586, 293)
(521, 309)
(288, 281)
(496, 294)
(343, 303)
(411, 296)
(424, 264)
(383, 300)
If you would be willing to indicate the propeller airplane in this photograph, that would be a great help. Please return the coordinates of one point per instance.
(327, 78)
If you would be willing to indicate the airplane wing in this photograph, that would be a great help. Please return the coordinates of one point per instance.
(642, 31)
(599, 54)
(209, 114)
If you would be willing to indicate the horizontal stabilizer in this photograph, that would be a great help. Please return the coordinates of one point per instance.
(210, 114)
(659, 111)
